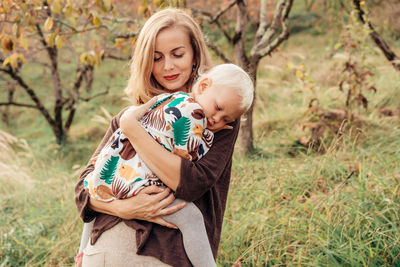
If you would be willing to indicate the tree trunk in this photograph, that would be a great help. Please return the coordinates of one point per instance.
(246, 124)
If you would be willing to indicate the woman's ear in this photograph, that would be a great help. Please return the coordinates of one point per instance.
(204, 84)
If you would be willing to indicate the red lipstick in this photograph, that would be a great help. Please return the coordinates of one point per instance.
(171, 77)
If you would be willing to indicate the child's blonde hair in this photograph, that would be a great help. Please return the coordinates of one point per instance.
(142, 85)
(233, 77)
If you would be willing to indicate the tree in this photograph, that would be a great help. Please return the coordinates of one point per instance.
(49, 34)
(378, 40)
(271, 30)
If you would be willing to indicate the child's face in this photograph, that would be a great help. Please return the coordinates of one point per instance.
(220, 104)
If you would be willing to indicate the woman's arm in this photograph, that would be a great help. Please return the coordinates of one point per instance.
(163, 163)
(150, 204)
(199, 176)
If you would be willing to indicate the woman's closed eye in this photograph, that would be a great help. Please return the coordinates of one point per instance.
(178, 55)
(157, 58)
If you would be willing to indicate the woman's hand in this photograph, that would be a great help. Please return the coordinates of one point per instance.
(133, 114)
(150, 204)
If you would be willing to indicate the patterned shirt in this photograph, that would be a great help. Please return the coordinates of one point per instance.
(176, 122)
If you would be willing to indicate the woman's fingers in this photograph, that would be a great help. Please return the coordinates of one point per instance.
(153, 189)
(163, 222)
(173, 208)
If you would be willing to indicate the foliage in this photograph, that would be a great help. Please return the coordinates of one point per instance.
(353, 82)
(44, 34)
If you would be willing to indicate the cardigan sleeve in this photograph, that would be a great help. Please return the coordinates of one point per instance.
(200, 176)
(81, 195)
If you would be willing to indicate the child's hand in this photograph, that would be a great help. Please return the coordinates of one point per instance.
(133, 114)
(225, 127)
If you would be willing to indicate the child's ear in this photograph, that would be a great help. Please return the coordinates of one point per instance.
(204, 84)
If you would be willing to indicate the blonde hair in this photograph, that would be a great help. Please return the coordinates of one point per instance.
(142, 86)
(233, 77)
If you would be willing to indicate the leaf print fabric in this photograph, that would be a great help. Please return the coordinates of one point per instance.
(176, 122)
(181, 131)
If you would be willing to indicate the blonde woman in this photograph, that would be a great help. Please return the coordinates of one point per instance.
(169, 52)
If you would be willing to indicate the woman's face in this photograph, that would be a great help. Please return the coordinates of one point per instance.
(173, 59)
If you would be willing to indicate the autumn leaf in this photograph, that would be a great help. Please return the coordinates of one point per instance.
(50, 40)
(59, 42)
(337, 46)
(299, 74)
(48, 24)
(8, 44)
(56, 7)
(96, 21)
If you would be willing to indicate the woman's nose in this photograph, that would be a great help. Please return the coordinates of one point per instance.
(169, 65)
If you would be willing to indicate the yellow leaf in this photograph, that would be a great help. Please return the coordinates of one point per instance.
(299, 74)
(142, 10)
(59, 42)
(290, 65)
(14, 61)
(48, 24)
(56, 7)
(50, 41)
(21, 57)
(96, 20)
(83, 58)
(302, 66)
(68, 11)
(362, 3)
(90, 59)
(337, 46)
(107, 4)
(6, 61)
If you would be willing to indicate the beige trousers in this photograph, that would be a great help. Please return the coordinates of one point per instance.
(117, 247)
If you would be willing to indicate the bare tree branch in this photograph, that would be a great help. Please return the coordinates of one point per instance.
(263, 21)
(265, 46)
(18, 104)
(120, 20)
(30, 92)
(86, 99)
(218, 52)
(52, 53)
(383, 46)
(82, 70)
(108, 55)
(239, 37)
(75, 30)
(126, 35)
(209, 17)
(223, 11)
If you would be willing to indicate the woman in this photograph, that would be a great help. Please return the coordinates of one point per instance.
(169, 52)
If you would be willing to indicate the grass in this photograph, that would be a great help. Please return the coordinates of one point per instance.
(286, 206)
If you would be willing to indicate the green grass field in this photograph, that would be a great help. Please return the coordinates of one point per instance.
(287, 206)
